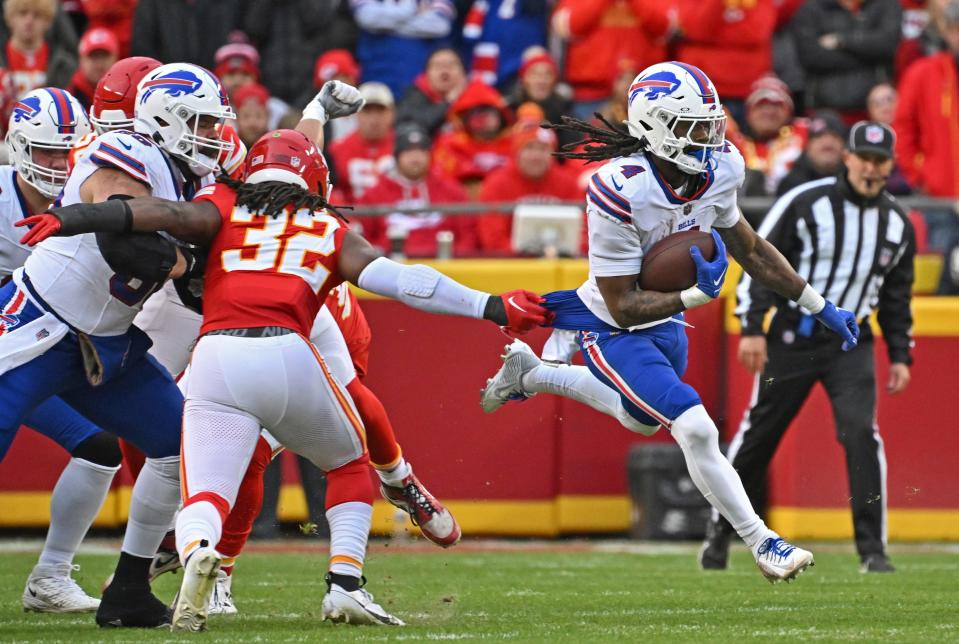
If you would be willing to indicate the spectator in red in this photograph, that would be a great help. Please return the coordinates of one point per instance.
(538, 83)
(99, 49)
(415, 183)
(531, 176)
(252, 116)
(360, 158)
(846, 47)
(770, 140)
(730, 42)
(337, 64)
(238, 65)
(480, 140)
(115, 15)
(600, 32)
(30, 58)
(428, 100)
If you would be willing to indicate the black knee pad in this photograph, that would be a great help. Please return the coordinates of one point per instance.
(100, 449)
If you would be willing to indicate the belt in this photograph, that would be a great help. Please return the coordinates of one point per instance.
(255, 332)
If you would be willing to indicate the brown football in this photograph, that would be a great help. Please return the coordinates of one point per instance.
(668, 266)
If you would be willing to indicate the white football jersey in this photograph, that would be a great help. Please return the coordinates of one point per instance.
(69, 273)
(13, 208)
(630, 207)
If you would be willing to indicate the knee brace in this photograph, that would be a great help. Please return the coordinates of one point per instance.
(100, 449)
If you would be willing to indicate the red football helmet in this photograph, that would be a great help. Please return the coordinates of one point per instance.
(288, 156)
(116, 94)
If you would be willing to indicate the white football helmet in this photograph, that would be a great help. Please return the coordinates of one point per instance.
(675, 107)
(48, 118)
(170, 101)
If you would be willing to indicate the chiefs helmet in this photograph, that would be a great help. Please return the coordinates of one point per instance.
(288, 156)
(116, 93)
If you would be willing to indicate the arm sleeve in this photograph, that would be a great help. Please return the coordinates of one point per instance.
(895, 298)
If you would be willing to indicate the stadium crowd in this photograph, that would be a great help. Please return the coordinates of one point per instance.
(456, 89)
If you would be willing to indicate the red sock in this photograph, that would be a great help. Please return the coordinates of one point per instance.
(133, 457)
(385, 452)
(350, 482)
(249, 499)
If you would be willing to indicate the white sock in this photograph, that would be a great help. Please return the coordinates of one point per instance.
(714, 476)
(578, 383)
(75, 502)
(349, 531)
(197, 522)
(396, 475)
(156, 498)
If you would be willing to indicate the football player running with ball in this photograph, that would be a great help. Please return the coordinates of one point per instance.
(276, 249)
(670, 169)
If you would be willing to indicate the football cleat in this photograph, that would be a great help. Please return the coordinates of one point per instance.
(51, 589)
(435, 521)
(779, 560)
(355, 607)
(222, 601)
(507, 383)
(192, 603)
(714, 553)
(131, 606)
(166, 558)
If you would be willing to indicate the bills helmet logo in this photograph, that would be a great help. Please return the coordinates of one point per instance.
(177, 83)
(26, 109)
(654, 86)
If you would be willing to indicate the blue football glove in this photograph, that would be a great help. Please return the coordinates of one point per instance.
(841, 322)
(710, 275)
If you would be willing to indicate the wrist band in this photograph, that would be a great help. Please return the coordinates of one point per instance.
(315, 110)
(693, 297)
(810, 300)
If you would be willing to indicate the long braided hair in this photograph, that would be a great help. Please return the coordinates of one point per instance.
(602, 143)
(272, 197)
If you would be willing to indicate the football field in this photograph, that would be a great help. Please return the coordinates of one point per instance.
(569, 591)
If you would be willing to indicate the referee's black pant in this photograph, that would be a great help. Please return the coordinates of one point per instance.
(796, 364)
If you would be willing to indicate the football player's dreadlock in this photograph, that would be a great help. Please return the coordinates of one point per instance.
(271, 197)
(602, 143)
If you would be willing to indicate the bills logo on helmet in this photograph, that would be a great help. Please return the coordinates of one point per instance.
(26, 109)
(654, 86)
(177, 83)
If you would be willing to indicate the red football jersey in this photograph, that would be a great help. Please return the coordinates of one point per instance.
(353, 325)
(266, 271)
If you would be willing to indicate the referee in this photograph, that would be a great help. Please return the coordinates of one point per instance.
(854, 244)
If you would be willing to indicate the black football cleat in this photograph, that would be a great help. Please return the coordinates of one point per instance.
(132, 607)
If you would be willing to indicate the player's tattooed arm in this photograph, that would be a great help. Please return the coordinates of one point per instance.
(762, 260)
(630, 306)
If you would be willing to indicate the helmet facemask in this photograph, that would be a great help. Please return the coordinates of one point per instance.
(201, 153)
(48, 181)
(689, 142)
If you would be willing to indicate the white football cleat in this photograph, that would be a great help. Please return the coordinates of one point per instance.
(51, 589)
(191, 606)
(355, 607)
(507, 383)
(779, 560)
(222, 600)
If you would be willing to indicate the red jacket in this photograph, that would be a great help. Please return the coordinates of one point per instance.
(359, 163)
(733, 45)
(460, 156)
(508, 184)
(421, 228)
(604, 32)
(927, 125)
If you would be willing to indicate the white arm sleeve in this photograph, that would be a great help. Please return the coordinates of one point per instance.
(422, 287)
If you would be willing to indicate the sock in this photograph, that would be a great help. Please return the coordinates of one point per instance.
(349, 529)
(395, 476)
(199, 521)
(714, 476)
(385, 452)
(156, 498)
(578, 383)
(346, 582)
(74, 504)
(131, 570)
(249, 500)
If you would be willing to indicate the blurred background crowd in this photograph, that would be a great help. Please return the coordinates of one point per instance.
(456, 90)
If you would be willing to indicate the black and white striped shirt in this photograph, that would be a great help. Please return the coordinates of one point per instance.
(858, 253)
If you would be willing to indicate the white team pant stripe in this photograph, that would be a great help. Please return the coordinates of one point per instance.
(597, 357)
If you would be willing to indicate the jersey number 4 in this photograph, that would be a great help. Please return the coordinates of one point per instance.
(297, 254)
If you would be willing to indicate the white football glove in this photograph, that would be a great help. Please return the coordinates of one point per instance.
(334, 100)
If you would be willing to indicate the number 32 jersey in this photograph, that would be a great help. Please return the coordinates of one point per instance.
(268, 271)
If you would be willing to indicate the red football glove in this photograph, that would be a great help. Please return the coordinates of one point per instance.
(523, 311)
(41, 227)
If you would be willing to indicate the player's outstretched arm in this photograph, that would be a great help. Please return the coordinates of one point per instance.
(767, 265)
(425, 288)
(195, 222)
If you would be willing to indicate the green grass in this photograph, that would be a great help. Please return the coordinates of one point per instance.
(579, 592)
